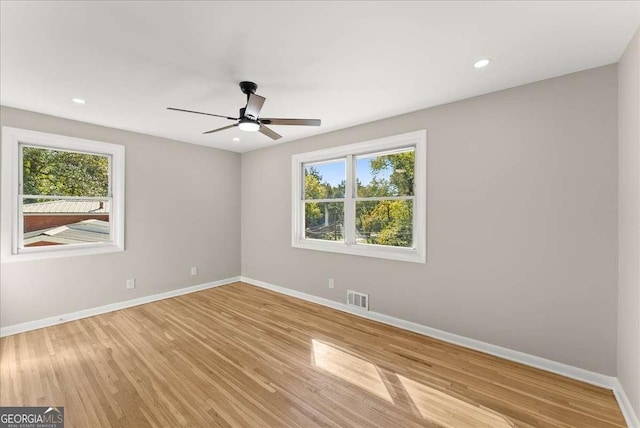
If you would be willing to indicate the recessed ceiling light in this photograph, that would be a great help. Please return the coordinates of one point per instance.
(236, 139)
(78, 100)
(482, 63)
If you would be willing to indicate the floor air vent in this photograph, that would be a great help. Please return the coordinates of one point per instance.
(360, 300)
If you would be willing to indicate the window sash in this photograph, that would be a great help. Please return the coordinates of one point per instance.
(304, 166)
(20, 244)
(407, 149)
(317, 201)
(414, 236)
(66, 247)
(22, 145)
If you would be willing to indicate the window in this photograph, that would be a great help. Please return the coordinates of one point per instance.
(364, 199)
(61, 196)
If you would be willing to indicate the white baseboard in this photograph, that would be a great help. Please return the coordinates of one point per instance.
(509, 354)
(593, 378)
(633, 420)
(85, 313)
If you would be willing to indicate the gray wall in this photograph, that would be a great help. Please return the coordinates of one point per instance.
(522, 221)
(629, 222)
(182, 210)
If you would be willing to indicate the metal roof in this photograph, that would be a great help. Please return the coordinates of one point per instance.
(76, 233)
(66, 207)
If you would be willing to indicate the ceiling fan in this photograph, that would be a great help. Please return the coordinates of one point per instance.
(249, 118)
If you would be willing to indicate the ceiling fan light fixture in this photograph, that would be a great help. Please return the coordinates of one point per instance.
(248, 125)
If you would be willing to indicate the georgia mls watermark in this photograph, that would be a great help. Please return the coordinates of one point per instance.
(31, 417)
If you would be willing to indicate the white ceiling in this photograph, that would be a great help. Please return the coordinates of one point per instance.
(344, 62)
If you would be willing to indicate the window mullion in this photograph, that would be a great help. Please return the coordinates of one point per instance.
(20, 169)
(20, 226)
(111, 177)
(299, 208)
(349, 208)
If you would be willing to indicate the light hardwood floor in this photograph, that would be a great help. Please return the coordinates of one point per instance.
(240, 356)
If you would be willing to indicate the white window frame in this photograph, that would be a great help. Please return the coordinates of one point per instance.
(11, 198)
(418, 253)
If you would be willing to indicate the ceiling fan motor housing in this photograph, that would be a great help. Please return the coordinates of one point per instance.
(248, 88)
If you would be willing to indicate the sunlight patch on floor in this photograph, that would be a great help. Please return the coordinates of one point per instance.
(448, 411)
(433, 405)
(353, 369)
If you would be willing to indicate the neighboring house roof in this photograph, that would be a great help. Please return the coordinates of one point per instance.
(66, 207)
(76, 233)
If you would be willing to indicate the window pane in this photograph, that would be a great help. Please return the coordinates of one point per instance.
(65, 222)
(61, 173)
(385, 175)
(324, 180)
(385, 223)
(324, 220)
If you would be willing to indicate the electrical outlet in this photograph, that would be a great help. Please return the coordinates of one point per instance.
(194, 270)
(331, 283)
(131, 283)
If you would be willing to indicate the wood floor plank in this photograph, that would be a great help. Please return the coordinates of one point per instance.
(240, 356)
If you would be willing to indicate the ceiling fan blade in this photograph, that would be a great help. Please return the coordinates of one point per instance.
(221, 129)
(270, 132)
(254, 105)
(199, 112)
(301, 122)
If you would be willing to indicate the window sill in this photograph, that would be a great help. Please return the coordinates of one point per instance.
(54, 254)
(376, 251)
